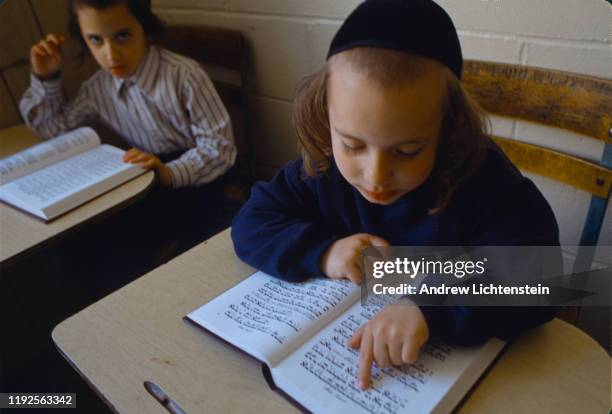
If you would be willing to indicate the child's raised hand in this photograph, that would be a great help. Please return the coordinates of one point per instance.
(146, 160)
(342, 259)
(46, 57)
(393, 336)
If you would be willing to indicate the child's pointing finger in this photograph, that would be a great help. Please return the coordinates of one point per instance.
(363, 340)
(365, 360)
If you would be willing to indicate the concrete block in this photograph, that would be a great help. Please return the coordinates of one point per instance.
(501, 126)
(556, 19)
(594, 60)
(318, 38)
(190, 4)
(504, 49)
(337, 9)
(568, 204)
(559, 139)
(274, 140)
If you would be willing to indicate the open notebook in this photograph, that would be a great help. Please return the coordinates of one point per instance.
(299, 331)
(58, 175)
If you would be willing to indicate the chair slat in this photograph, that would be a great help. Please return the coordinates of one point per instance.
(574, 102)
(574, 171)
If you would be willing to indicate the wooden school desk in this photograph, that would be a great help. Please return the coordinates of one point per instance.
(21, 233)
(137, 334)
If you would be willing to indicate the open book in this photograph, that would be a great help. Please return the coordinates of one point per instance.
(299, 331)
(62, 173)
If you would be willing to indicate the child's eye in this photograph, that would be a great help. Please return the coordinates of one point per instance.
(95, 40)
(352, 147)
(123, 36)
(408, 153)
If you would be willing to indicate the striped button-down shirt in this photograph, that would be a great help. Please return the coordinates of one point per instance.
(169, 105)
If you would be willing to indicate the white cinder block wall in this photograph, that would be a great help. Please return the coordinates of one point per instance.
(289, 38)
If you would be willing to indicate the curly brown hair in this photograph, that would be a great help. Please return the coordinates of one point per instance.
(463, 133)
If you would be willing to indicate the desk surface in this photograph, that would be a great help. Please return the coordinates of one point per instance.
(137, 334)
(21, 232)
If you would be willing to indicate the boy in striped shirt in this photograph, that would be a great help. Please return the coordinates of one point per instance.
(166, 108)
(163, 104)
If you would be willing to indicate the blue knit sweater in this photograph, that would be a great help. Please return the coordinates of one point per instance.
(288, 223)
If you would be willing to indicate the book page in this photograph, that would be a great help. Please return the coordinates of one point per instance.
(322, 374)
(47, 153)
(62, 186)
(269, 318)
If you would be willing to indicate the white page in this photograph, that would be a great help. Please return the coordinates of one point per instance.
(322, 374)
(64, 185)
(47, 153)
(269, 318)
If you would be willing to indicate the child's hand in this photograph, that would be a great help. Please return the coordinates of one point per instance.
(393, 336)
(146, 160)
(45, 56)
(341, 260)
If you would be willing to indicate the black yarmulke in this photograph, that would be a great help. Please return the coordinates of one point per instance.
(420, 27)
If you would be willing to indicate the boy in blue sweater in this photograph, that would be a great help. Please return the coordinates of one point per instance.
(394, 152)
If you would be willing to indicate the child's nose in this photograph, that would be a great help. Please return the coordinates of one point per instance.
(112, 53)
(378, 171)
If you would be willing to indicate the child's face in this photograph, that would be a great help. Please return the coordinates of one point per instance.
(384, 139)
(114, 37)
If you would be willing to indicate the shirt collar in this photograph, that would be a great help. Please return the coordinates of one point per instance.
(145, 75)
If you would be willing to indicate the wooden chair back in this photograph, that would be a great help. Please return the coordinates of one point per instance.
(569, 101)
(573, 102)
(224, 55)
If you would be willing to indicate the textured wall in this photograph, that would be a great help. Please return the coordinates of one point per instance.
(23, 23)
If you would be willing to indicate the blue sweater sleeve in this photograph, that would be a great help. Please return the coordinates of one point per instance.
(278, 230)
